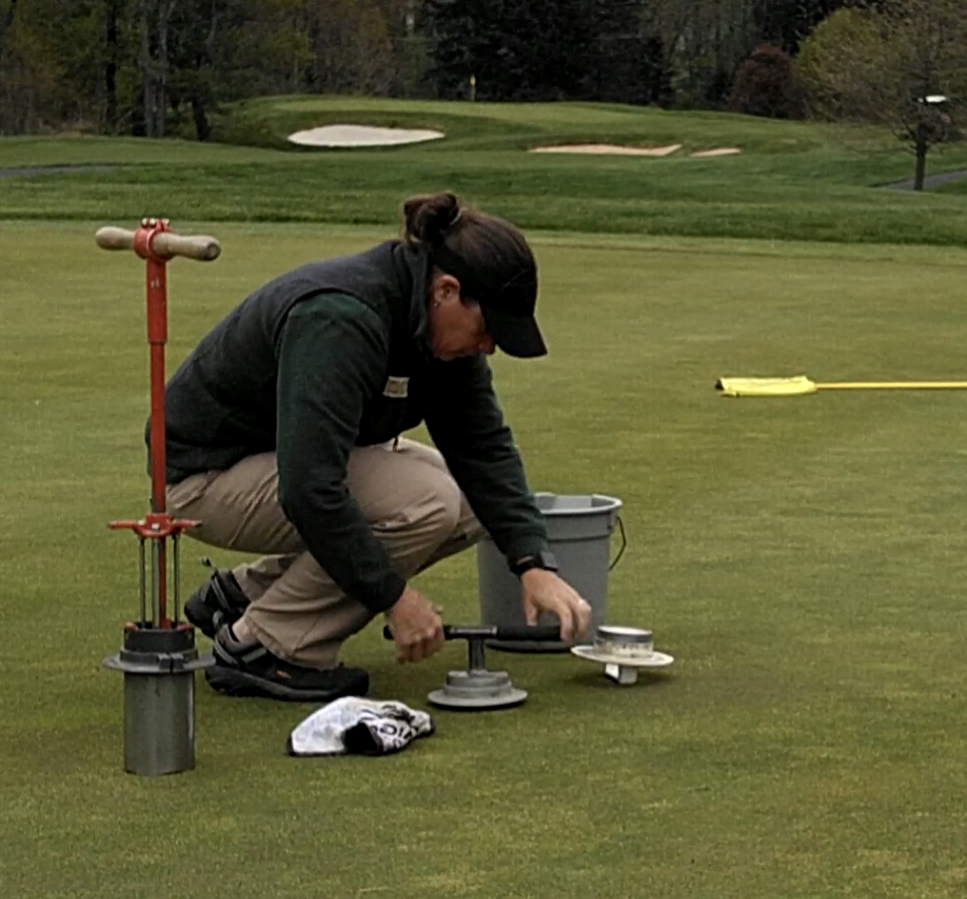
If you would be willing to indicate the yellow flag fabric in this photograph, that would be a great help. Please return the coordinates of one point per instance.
(765, 386)
(801, 385)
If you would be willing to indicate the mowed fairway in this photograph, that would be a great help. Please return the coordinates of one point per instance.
(802, 558)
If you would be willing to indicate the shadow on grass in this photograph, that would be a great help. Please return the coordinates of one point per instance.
(596, 680)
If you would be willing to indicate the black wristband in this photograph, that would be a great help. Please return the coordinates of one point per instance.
(543, 560)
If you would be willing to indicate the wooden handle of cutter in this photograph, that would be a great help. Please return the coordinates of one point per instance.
(165, 244)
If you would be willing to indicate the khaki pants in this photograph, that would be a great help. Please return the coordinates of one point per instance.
(406, 493)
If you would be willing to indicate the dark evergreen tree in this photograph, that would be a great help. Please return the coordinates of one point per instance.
(545, 50)
(787, 23)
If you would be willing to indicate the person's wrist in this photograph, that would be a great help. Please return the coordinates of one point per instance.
(538, 561)
(396, 601)
(535, 576)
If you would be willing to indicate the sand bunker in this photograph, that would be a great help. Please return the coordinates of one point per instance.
(618, 150)
(361, 136)
(609, 148)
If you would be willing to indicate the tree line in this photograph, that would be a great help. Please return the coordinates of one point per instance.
(157, 67)
(147, 67)
(144, 67)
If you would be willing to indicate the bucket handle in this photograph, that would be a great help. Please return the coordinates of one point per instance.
(624, 543)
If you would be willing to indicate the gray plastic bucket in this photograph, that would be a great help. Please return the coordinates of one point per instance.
(579, 529)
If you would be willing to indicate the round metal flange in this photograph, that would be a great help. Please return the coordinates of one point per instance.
(151, 650)
(623, 651)
(651, 660)
(477, 691)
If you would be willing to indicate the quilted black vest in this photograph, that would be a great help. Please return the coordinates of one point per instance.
(220, 404)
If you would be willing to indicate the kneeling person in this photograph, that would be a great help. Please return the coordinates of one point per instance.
(283, 438)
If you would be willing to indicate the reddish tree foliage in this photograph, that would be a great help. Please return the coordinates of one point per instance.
(765, 85)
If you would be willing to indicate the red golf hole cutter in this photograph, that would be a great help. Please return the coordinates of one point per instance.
(158, 655)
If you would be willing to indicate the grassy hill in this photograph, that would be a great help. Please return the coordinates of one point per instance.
(793, 180)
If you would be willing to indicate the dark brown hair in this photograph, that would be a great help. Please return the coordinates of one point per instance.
(488, 249)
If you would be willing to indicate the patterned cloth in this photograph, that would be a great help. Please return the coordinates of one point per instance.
(352, 725)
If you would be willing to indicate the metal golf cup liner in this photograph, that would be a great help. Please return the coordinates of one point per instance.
(159, 666)
(624, 641)
(478, 689)
(579, 528)
(623, 652)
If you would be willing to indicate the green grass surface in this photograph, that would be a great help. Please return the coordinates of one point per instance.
(793, 181)
(802, 559)
(493, 126)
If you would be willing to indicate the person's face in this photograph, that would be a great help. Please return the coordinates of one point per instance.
(456, 328)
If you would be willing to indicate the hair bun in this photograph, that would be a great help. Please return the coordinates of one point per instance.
(427, 217)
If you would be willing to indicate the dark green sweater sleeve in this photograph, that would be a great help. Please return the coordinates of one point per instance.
(332, 356)
(467, 425)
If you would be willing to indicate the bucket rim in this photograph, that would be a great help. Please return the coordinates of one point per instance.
(606, 503)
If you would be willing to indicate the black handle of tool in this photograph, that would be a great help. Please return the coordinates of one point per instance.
(508, 633)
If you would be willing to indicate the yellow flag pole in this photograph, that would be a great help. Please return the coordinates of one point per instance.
(894, 385)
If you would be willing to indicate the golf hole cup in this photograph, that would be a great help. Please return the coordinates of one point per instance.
(624, 642)
(623, 651)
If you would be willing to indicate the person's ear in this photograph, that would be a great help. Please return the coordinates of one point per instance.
(445, 287)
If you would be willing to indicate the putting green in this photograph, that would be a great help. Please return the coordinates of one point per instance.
(800, 559)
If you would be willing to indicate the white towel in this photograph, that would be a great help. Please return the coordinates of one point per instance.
(352, 725)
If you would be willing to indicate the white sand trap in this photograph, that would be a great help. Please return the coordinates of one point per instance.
(721, 151)
(609, 148)
(361, 136)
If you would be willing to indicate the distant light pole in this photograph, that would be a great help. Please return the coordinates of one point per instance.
(932, 126)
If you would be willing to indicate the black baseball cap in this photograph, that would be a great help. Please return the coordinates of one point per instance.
(507, 305)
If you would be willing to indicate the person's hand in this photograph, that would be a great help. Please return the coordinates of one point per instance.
(544, 591)
(416, 626)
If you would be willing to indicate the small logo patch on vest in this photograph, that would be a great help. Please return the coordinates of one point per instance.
(396, 388)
